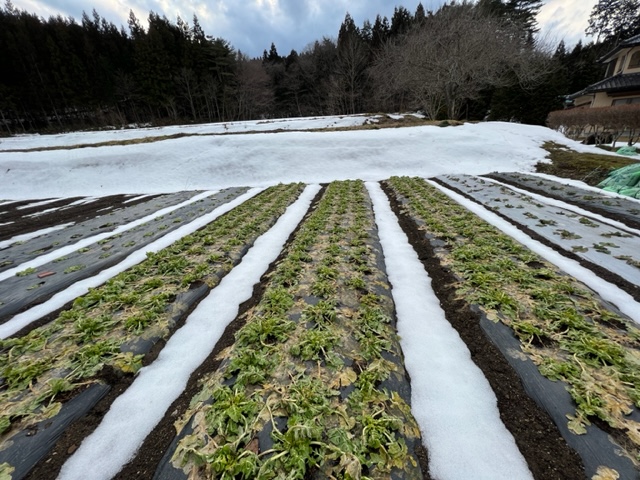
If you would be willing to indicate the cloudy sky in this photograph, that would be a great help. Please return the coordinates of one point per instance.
(251, 25)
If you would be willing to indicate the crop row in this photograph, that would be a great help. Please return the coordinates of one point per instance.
(35, 284)
(115, 325)
(564, 328)
(101, 221)
(314, 385)
(592, 240)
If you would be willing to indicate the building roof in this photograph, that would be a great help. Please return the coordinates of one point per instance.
(629, 42)
(626, 81)
(617, 83)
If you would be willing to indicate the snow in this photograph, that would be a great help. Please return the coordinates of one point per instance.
(465, 439)
(138, 410)
(216, 162)
(43, 212)
(38, 204)
(134, 199)
(20, 321)
(22, 142)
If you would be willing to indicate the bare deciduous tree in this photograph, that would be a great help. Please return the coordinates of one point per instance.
(254, 94)
(350, 70)
(454, 55)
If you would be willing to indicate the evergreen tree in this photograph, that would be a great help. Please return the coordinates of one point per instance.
(401, 22)
(380, 32)
(420, 15)
(523, 12)
(353, 59)
(614, 20)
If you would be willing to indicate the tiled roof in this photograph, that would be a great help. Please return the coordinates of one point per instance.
(627, 81)
(629, 42)
(617, 83)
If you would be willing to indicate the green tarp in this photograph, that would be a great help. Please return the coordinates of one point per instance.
(629, 150)
(625, 181)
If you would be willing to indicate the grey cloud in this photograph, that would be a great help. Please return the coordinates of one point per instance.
(251, 29)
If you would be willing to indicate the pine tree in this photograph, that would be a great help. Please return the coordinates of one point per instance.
(420, 15)
(614, 20)
(401, 21)
(379, 32)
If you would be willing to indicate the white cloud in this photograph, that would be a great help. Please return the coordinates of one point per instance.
(565, 20)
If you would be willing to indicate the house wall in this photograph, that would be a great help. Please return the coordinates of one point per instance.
(621, 61)
(601, 99)
(583, 101)
(628, 57)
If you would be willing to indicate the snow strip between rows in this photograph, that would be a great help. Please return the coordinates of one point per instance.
(139, 409)
(451, 399)
(61, 252)
(80, 288)
(608, 291)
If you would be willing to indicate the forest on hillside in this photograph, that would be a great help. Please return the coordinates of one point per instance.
(464, 61)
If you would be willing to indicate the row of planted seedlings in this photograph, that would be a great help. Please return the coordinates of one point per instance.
(116, 324)
(314, 385)
(564, 327)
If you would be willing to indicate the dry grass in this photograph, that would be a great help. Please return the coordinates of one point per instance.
(590, 168)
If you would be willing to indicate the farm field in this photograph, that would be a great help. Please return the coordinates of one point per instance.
(408, 313)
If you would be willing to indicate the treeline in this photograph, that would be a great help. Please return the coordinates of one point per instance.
(466, 60)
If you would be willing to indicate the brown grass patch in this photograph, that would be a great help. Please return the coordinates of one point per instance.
(590, 168)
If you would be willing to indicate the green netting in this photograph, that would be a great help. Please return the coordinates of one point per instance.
(630, 192)
(625, 180)
(627, 150)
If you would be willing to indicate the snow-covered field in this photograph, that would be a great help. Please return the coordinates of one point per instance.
(214, 162)
(434, 352)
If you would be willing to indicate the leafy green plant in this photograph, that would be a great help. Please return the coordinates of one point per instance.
(74, 268)
(26, 271)
(314, 344)
(588, 223)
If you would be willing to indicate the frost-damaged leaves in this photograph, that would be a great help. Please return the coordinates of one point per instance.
(141, 304)
(564, 328)
(308, 390)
